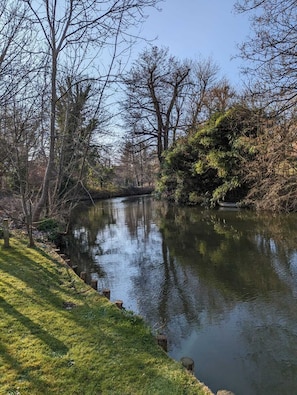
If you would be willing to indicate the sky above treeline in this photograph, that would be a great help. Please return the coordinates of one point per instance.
(200, 29)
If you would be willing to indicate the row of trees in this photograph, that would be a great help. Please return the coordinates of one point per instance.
(58, 60)
(165, 97)
(213, 144)
(59, 63)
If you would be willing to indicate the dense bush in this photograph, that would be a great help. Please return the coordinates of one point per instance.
(207, 165)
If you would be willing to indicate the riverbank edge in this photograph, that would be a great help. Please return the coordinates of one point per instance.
(93, 299)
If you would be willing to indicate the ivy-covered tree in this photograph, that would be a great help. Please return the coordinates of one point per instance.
(207, 166)
(75, 131)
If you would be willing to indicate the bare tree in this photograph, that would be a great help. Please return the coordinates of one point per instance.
(203, 78)
(69, 28)
(154, 97)
(166, 98)
(219, 98)
(20, 127)
(20, 68)
(137, 165)
(271, 170)
(270, 51)
(271, 62)
(16, 49)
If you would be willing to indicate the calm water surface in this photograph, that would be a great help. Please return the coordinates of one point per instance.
(221, 284)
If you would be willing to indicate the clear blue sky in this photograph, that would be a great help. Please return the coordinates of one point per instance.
(200, 28)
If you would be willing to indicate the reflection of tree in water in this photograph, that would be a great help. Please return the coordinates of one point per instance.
(83, 245)
(270, 334)
(88, 221)
(196, 267)
(138, 216)
(231, 250)
(92, 226)
(210, 261)
(171, 291)
(175, 294)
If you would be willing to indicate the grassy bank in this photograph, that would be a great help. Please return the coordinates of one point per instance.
(59, 336)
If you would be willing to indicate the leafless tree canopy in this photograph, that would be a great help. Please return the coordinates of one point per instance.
(166, 97)
(154, 97)
(71, 29)
(42, 43)
(271, 49)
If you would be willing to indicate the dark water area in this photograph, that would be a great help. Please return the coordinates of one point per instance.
(221, 284)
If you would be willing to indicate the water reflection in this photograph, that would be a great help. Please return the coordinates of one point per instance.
(221, 284)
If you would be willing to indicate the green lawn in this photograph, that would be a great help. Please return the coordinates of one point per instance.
(59, 336)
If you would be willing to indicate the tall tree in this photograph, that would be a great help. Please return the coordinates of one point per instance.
(271, 58)
(74, 29)
(166, 98)
(20, 127)
(154, 97)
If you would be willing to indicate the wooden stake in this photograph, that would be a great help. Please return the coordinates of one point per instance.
(68, 262)
(83, 276)
(75, 269)
(6, 233)
(94, 284)
(119, 304)
(162, 342)
(106, 293)
(188, 363)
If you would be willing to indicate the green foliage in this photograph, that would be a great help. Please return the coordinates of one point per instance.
(222, 190)
(100, 176)
(48, 224)
(208, 165)
(199, 167)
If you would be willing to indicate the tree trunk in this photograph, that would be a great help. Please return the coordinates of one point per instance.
(50, 164)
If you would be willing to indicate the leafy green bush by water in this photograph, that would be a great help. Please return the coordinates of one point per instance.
(208, 165)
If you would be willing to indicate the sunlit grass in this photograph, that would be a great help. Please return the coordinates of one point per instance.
(92, 348)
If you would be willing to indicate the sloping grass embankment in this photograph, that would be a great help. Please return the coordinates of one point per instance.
(59, 336)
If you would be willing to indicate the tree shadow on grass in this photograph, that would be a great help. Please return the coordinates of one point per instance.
(35, 329)
(26, 371)
(21, 372)
(36, 276)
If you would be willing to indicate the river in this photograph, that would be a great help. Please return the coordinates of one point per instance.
(221, 284)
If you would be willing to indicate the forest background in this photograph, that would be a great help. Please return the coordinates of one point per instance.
(80, 116)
